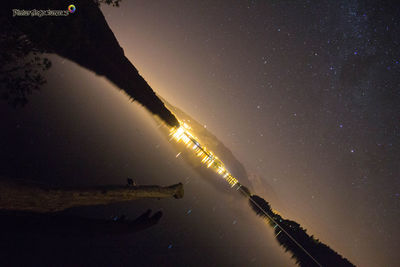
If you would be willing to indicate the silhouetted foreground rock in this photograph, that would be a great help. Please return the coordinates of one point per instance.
(85, 38)
(39, 198)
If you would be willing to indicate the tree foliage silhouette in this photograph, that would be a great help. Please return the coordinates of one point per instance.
(92, 46)
(108, 2)
(21, 66)
(321, 252)
(22, 62)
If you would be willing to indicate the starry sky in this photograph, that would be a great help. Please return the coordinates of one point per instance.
(305, 93)
(63, 138)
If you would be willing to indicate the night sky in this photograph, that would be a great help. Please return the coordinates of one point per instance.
(306, 94)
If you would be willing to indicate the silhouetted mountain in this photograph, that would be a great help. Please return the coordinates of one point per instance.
(261, 187)
(85, 38)
(321, 252)
(210, 141)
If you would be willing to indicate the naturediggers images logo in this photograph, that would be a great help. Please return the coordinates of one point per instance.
(44, 12)
(71, 8)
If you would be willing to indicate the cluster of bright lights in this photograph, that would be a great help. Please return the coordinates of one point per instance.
(182, 134)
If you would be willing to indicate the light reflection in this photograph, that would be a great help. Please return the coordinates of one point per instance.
(183, 134)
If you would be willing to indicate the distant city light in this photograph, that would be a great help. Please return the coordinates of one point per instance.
(182, 134)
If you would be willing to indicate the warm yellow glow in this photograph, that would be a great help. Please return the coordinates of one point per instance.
(208, 158)
(209, 164)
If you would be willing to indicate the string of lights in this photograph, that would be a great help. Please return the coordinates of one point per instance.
(183, 134)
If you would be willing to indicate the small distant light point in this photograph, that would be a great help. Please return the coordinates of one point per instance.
(169, 246)
(341, 126)
(352, 150)
(355, 52)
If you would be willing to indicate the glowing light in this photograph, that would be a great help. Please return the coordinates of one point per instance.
(183, 134)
